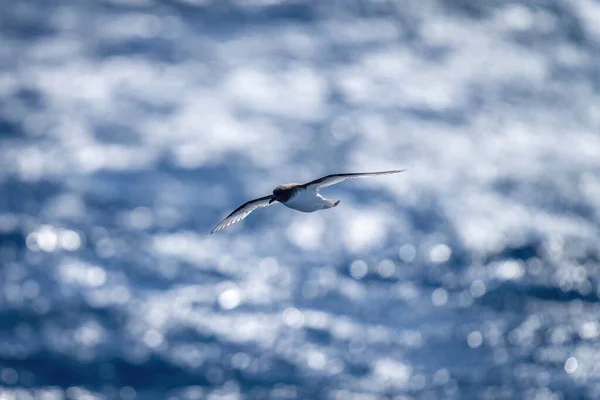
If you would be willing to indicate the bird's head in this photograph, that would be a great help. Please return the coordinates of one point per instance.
(283, 193)
(276, 195)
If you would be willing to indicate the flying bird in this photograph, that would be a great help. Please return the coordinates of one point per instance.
(303, 197)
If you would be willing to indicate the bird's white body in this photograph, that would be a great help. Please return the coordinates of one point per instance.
(307, 200)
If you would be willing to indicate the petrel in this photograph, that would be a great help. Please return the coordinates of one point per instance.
(303, 197)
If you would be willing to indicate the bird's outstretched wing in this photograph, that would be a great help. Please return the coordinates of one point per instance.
(242, 212)
(337, 178)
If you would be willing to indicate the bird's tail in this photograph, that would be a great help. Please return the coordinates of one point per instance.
(331, 203)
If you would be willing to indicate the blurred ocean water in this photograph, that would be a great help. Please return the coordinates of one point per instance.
(129, 128)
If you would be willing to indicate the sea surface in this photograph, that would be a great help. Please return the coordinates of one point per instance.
(130, 128)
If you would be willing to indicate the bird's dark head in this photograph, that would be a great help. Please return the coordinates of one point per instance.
(283, 193)
(278, 195)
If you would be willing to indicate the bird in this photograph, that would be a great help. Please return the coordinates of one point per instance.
(304, 197)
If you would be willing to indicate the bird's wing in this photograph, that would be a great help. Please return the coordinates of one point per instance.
(242, 212)
(337, 178)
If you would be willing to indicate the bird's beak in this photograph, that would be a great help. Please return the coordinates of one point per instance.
(272, 200)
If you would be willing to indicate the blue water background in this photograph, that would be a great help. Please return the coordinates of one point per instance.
(129, 128)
